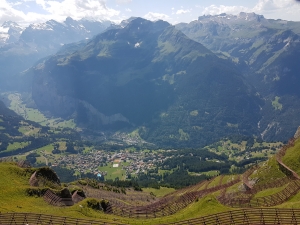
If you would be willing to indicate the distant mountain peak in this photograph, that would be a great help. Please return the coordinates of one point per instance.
(250, 16)
(9, 24)
(10, 32)
(241, 16)
(69, 19)
(127, 21)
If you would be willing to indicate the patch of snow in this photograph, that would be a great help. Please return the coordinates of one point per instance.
(287, 45)
(137, 45)
(40, 26)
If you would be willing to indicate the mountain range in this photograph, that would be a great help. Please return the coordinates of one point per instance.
(183, 85)
(21, 47)
(151, 76)
(265, 51)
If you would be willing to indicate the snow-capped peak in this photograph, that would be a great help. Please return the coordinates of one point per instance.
(9, 31)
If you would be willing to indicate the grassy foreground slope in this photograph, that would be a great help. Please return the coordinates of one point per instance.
(15, 181)
(292, 157)
(13, 184)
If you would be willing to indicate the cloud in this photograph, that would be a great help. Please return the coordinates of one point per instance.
(77, 9)
(128, 10)
(123, 1)
(286, 9)
(263, 5)
(215, 10)
(57, 10)
(156, 16)
(16, 3)
(7, 12)
(182, 11)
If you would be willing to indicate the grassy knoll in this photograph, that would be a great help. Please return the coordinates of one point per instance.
(267, 172)
(14, 199)
(15, 145)
(234, 188)
(292, 156)
(57, 122)
(205, 206)
(162, 191)
(212, 173)
(41, 151)
(229, 178)
(214, 182)
(28, 130)
(293, 202)
(270, 191)
(47, 149)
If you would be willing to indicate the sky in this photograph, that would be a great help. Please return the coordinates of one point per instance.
(26, 12)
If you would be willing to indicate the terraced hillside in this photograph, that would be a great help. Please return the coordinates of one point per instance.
(220, 200)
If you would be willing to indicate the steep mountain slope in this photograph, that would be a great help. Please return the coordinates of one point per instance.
(148, 75)
(266, 51)
(38, 41)
(6, 112)
(9, 125)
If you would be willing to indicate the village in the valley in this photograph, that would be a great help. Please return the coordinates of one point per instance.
(108, 164)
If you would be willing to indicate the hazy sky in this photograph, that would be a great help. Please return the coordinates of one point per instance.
(173, 11)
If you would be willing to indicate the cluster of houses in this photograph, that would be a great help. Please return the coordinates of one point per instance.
(92, 162)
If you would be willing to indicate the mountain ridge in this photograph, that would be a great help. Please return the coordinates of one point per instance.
(159, 63)
(38, 41)
(265, 51)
